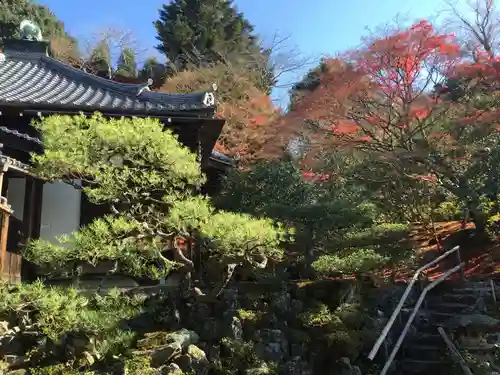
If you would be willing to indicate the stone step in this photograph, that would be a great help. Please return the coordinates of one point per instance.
(474, 290)
(435, 318)
(422, 338)
(470, 298)
(424, 352)
(427, 367)
(447, 307)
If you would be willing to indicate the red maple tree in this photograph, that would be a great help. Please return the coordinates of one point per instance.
(382, 99)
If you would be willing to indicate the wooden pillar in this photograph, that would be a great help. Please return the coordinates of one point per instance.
(5, 213)
(32, 214)
(4, 256)
(32, 217)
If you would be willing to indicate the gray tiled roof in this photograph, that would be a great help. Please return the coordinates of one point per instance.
(214, 156)
(32, 78)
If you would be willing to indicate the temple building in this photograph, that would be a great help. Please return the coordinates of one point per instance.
(34, 84)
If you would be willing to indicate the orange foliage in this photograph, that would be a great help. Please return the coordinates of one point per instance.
(378, 96)
(248, 112)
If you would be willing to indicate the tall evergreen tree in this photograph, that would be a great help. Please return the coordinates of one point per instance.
(197, 33)
(127, 65)
(13, 12)
(152, 68)
(309, 83)
(100, 60)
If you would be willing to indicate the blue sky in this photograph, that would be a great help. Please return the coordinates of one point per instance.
(316, 27)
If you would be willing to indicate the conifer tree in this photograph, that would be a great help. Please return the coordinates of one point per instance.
(195, 33)
(127, 65)
(13, 12)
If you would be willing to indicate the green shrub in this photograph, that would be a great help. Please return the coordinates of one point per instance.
(139, 365)
(355, 262)
(375, 235)
(448, 210)
(59, 369)
(321, 316)
(250, 315)
(57, 311)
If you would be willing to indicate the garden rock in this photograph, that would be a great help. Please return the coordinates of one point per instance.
(163, 347)
(296, 366)
(272, 344)
(347, 368)
(171, 369)
(194, 361)
(475, 320)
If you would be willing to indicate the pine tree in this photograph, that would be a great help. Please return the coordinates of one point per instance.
(152, 68)
(153, 194)
(127, 65)
(13, 12)
(309, 83)
(196, 33)
(100, 60)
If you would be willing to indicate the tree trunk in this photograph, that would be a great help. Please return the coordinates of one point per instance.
(479, 220)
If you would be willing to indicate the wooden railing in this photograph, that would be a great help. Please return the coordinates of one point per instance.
(454, 352)
(420, 300)
(404, 297)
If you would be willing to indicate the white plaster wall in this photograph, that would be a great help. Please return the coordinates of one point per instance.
(15, 196)
(60, 210)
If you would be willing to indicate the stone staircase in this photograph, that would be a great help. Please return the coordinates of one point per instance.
(453, 305)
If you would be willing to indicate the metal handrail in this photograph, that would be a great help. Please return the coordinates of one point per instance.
(402, 336)
(455, 353)
(398, 308)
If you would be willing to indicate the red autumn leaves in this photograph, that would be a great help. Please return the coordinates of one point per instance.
(390, 97)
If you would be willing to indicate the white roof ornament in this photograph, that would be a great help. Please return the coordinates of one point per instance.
(209, 99)
(30, 31)
(145, 87)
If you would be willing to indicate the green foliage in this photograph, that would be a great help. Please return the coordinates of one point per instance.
(449, 210)
(331, 217)
(310, 82)
(384, 233)
(108, 238)
(59, 369)
(278, 190)
(198, 33)
(127, 65)
(355, 262)
(250, 315)
(125, 159)
(238, 355)
(232, 236)
(152, 68)
(185, 26)
(100, 58)
(321, 316)
(57, 312)
(150, 180)
(139, 365)
(13, 12)
(267, 189)
(343, 329)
